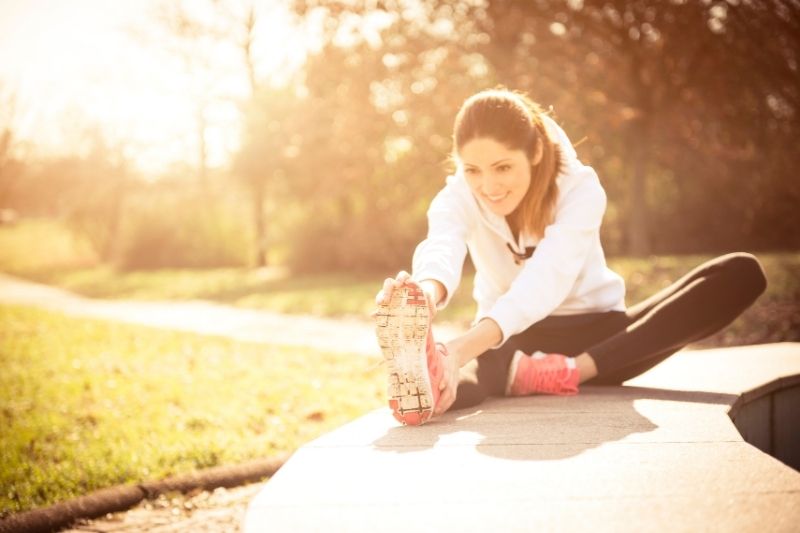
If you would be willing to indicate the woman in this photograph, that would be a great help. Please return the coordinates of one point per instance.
(551, 314)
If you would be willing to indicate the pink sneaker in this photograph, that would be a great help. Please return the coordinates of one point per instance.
(542, 374)
(414, 361)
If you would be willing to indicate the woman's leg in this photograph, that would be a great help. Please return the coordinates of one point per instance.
(569, 335)
(470, 391)
(698, 305)
(626, 344)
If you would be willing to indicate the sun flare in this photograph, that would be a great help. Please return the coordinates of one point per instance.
(103, 66)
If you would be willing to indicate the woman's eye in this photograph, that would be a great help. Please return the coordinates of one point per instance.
(504, 168)
(470, 171)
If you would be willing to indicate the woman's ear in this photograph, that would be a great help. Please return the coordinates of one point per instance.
(538, 152)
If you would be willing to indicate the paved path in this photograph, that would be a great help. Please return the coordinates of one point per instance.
(340, 335)
(630, 458)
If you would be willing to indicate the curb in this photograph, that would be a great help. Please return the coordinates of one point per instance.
(123, 497)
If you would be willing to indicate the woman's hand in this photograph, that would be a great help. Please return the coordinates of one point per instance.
(389, 285)
(449, 383)
(429, 287)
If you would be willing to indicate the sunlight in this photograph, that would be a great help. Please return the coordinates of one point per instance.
(95, 65)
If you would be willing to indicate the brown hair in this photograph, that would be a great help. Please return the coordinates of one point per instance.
(515, 121)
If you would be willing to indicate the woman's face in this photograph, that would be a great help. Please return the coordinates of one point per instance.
(499, 177)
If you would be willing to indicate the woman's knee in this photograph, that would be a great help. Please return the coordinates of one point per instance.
(746, 273)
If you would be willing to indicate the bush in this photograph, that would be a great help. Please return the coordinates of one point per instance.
(363, 238)
(35, 247)
(182, 231)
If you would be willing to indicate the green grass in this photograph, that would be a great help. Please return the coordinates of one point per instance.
(85, 404)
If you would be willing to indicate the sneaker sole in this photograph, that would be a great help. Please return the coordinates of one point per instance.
(402, 330)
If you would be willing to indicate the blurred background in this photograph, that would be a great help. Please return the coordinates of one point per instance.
(313, 134)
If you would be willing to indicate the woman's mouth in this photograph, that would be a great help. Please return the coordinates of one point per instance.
(494, 198)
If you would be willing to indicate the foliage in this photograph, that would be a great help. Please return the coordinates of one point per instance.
(360, 161)
(197, 233)
(10, 164)
(675, 127)
(87, 404)
(36, 248)
(168, 225)
(86, 190)
(687, 110)
(260, 166)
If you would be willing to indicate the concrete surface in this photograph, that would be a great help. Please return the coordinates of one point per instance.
(640, 457)
(742, 370)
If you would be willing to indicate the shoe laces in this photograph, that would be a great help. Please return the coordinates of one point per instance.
(546, 374)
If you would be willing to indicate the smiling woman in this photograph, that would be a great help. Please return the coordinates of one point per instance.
(497, 175)
(551, 314)
(520, 160)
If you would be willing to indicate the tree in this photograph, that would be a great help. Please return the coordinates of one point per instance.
(382, 91)
(10, 166)
(669, 74)
(664, 92)
(216, 41)
(273, 131)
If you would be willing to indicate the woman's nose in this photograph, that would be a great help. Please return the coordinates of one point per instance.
(490, 184)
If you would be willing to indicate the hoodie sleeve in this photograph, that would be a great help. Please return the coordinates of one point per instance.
(550, 274)
(441, 255)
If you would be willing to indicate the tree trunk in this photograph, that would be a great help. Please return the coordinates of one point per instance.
(259, 224)
(111, 247)
(638, 234)
(202, 150)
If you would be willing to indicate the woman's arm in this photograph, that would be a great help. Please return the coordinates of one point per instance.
(461, 350)
(480, 338)
(441, 255)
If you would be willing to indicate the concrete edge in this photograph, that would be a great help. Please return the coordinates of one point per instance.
(123, 497)
(765, 389)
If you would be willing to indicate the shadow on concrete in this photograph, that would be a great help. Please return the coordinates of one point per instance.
(554, 428)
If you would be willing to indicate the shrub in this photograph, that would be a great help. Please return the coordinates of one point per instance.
(182, 231)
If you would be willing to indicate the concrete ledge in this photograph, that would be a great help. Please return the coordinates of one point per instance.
(612, 458)
(764, 379)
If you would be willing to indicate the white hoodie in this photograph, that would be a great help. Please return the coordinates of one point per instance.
(567, 273)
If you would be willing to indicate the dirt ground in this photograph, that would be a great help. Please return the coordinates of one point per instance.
(219, 511)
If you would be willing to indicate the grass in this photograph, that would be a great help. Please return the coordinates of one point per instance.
(85, 404)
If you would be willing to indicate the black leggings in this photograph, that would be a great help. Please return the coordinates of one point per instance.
(625, 344)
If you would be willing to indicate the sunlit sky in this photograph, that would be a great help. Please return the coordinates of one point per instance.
(78, 64)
